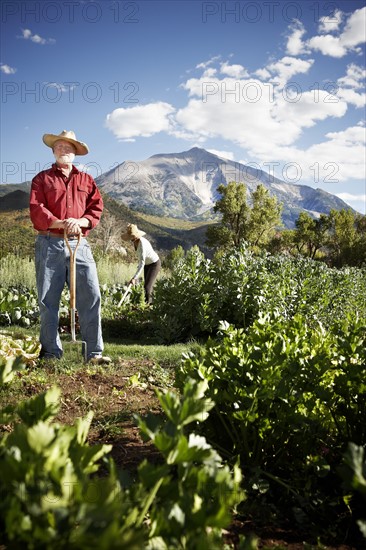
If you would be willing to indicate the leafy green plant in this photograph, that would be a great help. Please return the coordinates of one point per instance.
(238, 287)
(53, 497)
(353, 472)
(25, 347)
(18, 306)
(289, 396)
(9, 365)
(191, 493)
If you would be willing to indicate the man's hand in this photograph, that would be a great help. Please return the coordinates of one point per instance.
(72, 225)
(133, 282)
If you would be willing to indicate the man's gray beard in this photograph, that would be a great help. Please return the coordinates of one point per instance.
(65, 159)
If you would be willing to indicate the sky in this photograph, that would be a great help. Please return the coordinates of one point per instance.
(278, 85)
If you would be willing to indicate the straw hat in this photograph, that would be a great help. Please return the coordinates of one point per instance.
(132, 233)
(66, 135)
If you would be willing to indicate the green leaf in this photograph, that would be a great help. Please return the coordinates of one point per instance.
(43, 407)
(8, 367)
(40, 436)
(82, 427)
(195, 449)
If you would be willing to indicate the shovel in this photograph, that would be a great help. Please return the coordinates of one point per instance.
(78, 346)
(124, 296)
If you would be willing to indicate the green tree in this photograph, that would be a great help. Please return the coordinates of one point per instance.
(265, 217)
(311, 234)
(347, 238)
(173, 257)
(283, 242)
(338, 238)
(241, 222)
(359, 254)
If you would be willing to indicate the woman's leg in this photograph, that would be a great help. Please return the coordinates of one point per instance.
(150, 273)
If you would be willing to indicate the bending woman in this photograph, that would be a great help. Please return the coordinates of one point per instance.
(149, 261)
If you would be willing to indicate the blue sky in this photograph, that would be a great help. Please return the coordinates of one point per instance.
(276, 84)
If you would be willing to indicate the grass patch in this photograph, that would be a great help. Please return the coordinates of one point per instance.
(174, 223)
(114, 393)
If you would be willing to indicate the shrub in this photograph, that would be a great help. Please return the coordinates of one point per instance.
(239, 287)
(289, 397)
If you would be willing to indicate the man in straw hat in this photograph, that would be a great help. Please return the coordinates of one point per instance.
(63, 198)
(149, 261)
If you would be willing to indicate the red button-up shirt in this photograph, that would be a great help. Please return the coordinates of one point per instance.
(55, 197)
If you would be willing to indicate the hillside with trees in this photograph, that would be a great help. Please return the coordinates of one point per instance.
(337, 238)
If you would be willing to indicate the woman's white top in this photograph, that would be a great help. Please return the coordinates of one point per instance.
(146, 256)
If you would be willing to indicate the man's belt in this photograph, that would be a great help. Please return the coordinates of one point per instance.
(57, 234)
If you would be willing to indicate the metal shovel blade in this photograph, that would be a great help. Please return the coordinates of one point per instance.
(74, 349)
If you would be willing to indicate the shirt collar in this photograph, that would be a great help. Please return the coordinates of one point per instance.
(56, 168)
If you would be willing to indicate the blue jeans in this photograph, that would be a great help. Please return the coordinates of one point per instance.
(52, 260)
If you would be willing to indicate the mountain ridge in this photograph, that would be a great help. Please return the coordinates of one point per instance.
(184, 185)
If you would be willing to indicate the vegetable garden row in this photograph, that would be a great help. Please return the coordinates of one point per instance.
(268, 420)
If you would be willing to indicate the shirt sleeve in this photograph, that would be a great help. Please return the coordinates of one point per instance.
(94, 206)
(41, 217)
(141, 254)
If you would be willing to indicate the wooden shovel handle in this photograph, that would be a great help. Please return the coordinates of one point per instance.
(72, 268)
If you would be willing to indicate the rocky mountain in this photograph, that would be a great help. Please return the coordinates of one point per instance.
(184, 185)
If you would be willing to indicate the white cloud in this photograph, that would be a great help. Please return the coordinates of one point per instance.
(348, 197)
(308, 108)
(237, 110)
(223, 154)
(295, 44)
(358, 202)
(328, 45)
(206, 64)
(352, 35)
(235, 71)
(354, 78)
(284, 69)
(351, 84)
(339, 158)
(331, 23)
(249, 113)
(354, 135)
(264, 74)
(265, 119)
(354, 32)
(351, 96)
(269, 127)
(143, 120)
(6, 69)
(210, 72)
(36, 38)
